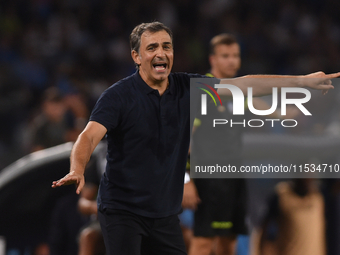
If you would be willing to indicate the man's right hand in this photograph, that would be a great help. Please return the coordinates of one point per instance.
(71, 178)
(80, 155)
(190, 196)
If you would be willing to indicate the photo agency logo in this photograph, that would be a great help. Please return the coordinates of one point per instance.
(238, 105)
(204, 97)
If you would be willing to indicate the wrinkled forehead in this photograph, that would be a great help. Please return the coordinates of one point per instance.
(159, 37)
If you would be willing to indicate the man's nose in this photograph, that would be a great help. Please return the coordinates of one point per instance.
(160, 52)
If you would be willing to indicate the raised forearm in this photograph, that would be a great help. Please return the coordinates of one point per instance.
(85, 145)
(261, 84)
(81, 153)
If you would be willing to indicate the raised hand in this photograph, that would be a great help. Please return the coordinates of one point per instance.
(319, 80)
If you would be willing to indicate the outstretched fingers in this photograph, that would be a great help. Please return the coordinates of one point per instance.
(71, 178)
(333, 75)
(67, 180)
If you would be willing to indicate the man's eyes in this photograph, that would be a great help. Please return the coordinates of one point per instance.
(166, 47)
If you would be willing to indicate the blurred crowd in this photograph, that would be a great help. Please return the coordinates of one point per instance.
(80, 47)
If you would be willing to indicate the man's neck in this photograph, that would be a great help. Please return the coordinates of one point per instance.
(160, 85)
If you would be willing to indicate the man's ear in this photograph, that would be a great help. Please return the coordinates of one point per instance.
(135, 56)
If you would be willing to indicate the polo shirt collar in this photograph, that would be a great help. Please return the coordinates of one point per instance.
(145, 88)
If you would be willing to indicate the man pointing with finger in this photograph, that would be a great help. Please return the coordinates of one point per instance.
(146, 118)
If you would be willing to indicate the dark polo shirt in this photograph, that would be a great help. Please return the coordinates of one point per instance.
(148, 139)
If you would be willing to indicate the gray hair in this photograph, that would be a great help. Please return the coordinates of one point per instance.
(152, 27)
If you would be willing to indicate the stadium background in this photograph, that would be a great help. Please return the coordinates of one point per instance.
(81, 47)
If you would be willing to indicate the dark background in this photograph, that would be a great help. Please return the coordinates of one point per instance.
(82, 47)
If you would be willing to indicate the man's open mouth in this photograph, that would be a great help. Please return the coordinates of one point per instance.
(160, 66)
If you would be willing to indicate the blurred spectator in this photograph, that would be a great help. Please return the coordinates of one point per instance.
(14, 100)
(295, 223)
(56, 123)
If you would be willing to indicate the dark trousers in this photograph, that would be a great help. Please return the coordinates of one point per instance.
(126, 233)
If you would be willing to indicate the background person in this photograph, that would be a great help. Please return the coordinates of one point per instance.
(220, 200)
(61, 119)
